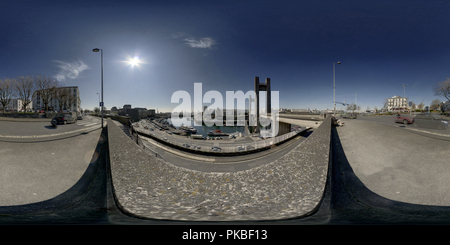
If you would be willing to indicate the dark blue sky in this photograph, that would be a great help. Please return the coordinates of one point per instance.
(225, 44)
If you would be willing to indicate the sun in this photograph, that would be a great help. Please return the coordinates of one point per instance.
(134, 61)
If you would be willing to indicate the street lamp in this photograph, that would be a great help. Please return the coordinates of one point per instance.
(101, 104)
(404, 96)
(334, 87)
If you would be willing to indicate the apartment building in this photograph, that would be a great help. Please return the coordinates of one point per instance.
(397, 103)
(16, 105)
(72, 101)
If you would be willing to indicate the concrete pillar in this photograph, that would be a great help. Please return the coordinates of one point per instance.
(284, 128)
(257, 103)
(268, 98)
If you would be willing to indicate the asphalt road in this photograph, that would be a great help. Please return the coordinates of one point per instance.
(389, 120)
(398, 162)
(14, 127)
(223, 163)
(37, 169)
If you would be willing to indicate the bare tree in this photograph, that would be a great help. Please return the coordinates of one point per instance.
(443, 89)
(25, 86)
(421, 105)
(352, 107)
(70, 101)
(7, 91)
(46, 89)
(386, 104)
(61, 94)
(435, 104)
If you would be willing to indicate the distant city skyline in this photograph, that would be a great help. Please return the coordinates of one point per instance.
(152, 49)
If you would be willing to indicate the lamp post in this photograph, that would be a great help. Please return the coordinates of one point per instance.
(98, 99)
(101, 104)
(404, 96)
(334, 87)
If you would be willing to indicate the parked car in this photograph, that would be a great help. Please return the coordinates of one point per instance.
(403, 119)
(216, 148)
(80, 117)
(63, 119)
(430, 120)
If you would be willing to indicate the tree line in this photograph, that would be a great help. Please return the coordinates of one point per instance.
(23, 88)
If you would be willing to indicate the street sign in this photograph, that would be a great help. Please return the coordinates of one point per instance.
(101, 103)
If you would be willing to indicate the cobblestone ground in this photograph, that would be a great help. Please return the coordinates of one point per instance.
(149, 187)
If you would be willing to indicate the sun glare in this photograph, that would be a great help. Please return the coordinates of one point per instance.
(134, 61)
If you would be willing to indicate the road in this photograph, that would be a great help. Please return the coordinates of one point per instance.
(389, 120)
(16, 127)
(398, 162)
(34, 169)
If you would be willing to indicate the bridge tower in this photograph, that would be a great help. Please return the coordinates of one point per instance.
(262, 87)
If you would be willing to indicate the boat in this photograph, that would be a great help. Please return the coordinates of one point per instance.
(188, 129)
(216, 133)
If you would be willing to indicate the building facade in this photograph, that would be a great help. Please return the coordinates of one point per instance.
(72, 101)
(446, 106)
(16, 105)
(397, 103)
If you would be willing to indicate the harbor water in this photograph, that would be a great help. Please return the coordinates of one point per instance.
(203, 130)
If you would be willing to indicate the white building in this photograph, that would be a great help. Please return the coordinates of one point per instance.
(397, 103)
(446, 105)
(16, 105)
(72, 102)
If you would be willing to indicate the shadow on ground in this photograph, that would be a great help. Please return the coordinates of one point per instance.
(83, 203)
(353, 203)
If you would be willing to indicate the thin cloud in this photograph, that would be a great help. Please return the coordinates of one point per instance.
(206, 42)
(69, 70)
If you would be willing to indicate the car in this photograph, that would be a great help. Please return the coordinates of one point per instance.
(80, 117)
(430, 120)
(64, 119)
(403, 119)
(350, 116)
(216, 148)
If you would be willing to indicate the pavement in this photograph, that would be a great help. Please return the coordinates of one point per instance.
(39, 162)
(37, 169)
(398, 162)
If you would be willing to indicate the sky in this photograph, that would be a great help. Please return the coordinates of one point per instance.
(224, 44)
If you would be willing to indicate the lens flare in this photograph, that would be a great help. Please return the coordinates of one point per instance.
(134, 61)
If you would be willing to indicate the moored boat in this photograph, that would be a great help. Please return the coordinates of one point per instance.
(217, 133)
